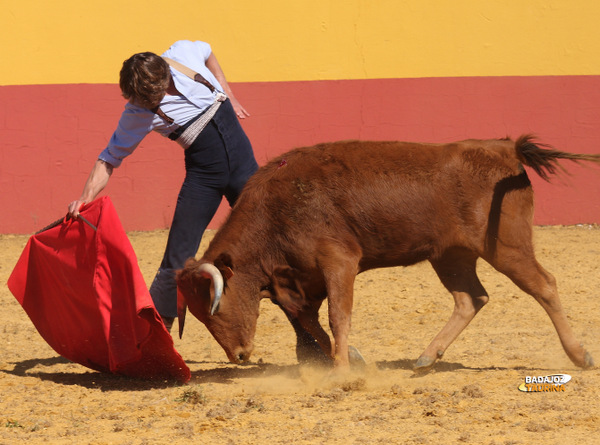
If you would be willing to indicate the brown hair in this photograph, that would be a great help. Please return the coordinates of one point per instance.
(144, 78)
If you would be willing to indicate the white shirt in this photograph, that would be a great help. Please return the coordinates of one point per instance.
(136, 122)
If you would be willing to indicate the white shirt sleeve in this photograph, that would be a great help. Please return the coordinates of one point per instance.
(135, 123)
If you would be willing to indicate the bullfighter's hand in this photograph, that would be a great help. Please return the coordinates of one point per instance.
(240, 111)
(74, 208)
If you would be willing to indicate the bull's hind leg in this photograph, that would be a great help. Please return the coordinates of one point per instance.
(523, 269)
(457, 272)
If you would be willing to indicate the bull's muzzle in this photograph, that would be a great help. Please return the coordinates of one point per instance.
(240, 355)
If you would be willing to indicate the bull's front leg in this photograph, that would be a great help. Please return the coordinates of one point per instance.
(309, 319)
(339, 263)
(340, 299)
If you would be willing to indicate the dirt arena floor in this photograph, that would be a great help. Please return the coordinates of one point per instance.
(472, 397)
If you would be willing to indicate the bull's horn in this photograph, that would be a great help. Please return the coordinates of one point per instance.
(181, 311)
(210, 271)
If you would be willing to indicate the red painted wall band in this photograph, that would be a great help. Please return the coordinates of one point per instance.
(52, 134)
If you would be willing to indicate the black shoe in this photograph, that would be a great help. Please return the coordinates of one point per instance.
(168, 322)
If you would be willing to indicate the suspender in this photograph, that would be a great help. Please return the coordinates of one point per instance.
(161, 113)
(190, 73)
(197, 77)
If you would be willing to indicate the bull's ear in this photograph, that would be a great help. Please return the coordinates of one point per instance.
(225, 265)
(287, 289)
(227, 272)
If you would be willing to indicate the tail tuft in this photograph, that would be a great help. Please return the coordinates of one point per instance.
(543, 158)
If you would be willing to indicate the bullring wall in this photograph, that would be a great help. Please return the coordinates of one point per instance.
(308, 71)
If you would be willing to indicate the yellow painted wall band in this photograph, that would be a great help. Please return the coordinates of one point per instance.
(70, 41)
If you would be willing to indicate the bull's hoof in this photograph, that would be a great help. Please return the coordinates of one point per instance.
(424, 364)
(588, 361)
(355, 358)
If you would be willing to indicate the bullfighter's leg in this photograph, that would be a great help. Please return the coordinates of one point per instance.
(520, 265)
(457, 273)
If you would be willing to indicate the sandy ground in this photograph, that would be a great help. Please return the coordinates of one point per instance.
(471, 397)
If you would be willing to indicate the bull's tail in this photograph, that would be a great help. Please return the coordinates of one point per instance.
(543, 159)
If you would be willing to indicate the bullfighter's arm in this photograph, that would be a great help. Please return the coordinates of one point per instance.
(213, 65)
(95, 183)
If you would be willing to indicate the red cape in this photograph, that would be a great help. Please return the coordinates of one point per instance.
(84, 292)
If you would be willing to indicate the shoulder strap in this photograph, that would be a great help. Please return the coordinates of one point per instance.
(190, 73)
(180, 67)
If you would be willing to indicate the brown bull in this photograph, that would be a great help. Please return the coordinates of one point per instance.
(309, 221)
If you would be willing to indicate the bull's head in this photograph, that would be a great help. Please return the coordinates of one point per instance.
(225, 303)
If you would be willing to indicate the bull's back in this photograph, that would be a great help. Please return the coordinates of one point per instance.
(394, 199)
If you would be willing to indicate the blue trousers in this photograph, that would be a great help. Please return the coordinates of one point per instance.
(217, 164)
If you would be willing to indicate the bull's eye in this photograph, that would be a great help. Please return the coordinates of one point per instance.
(267, 288)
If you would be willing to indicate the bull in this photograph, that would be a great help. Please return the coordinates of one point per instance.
(312, 219)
